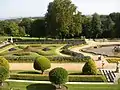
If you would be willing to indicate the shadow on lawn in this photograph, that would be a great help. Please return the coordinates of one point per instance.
(29, 72)
(40, 87)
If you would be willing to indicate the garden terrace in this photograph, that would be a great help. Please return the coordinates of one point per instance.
(51, 41)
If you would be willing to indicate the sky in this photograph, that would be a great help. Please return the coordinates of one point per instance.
(31, 8)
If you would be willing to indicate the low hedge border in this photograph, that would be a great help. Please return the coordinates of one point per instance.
(72, 78)
(60, 59)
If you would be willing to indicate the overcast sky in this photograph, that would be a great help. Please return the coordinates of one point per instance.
(26, 8)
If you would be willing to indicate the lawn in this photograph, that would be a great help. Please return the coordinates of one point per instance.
(36, 86)
(41, 49)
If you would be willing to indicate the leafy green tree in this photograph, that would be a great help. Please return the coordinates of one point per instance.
(4, 74)
(12, 29)
(108, 28)
(4, 62)
(22, 31)
(86, 27)
(116, 19)
(76, 25)
(62, 19)
(42, 63)
(90, 68)
(58, 76)
(38, 28)
(26, 23)
(96, 26)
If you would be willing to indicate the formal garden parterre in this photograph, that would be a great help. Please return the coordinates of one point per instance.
(28, 53)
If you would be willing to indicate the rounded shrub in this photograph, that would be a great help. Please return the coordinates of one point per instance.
(4, 62)
(4, 74)
(42, 63)
(90, 68)
(58, 76)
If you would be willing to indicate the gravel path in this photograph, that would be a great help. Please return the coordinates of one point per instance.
(29, 66)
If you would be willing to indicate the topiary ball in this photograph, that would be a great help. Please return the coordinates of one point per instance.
(58, 76)
(90, 68)
(4, 73)
(42, 63)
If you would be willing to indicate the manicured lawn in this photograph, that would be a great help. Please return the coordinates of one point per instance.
(36, 86)
(93, 87)
(41, 49)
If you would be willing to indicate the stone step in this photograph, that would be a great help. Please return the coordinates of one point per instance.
(109, 74)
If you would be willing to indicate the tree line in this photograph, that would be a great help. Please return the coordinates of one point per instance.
(63, 20)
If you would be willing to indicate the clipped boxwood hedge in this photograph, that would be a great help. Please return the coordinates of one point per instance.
(72, 78)
(87, 78)
(32, 77)
(26, 59)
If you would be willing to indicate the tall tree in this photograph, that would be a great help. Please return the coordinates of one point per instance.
(38, 28)
(116, 18)
(26, 23)
(61, 18)
(86, 27)
(96, 26)
(12, 29)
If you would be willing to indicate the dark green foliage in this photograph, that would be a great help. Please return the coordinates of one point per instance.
(61, 59)
(87, 78)
(42, 63)
(72, 78)
(38, 28)
(58, 76)
(90, 68)
(4, 73)
(26, 24)
(96, 26)
(4, 63)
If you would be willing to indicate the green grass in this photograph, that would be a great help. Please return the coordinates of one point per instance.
(37, 86)
(36, 48)
(113, 60)
(93, 87)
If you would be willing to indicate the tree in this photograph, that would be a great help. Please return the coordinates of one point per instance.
(26, 23)
(86, 27)
(4, 62)
(22, 31)
(4, 74)
(12, 29)
(63, 19)
(76, 25)
(96, 26)
(38, 28)
(108, 27)
(58, 76)
(41, 63)
(116, 19)
(90, 68)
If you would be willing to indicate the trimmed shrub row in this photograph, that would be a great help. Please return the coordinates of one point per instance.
(87, 78)
(23, 59)
(58, 41)
(69, 59)
(68, 52)
(26, 59)
(72, 78)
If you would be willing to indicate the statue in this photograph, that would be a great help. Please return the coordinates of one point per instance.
(11, 40)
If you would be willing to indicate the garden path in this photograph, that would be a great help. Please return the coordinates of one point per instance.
(29, 66)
